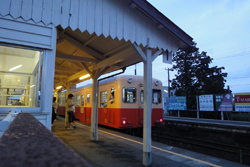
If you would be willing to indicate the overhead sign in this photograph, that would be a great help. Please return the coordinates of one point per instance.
(242, 102)
(206, 103)
(223, 102)
(176, 103)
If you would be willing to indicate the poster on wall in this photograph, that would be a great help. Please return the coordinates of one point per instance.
(206, 103)
(242, 102)
(176, 103)
(224, 102)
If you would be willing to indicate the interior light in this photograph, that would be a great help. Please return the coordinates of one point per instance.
(166, 91)
(15, 67)
(59, 87)
(85, 76)
(32, 86)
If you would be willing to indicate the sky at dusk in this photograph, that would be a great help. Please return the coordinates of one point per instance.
(219, 27)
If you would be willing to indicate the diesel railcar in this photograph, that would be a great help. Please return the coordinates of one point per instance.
(120, 103)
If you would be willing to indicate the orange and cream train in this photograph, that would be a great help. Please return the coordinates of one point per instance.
(120, 103)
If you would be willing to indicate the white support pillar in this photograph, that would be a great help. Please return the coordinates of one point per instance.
(94, 112)
(48, 79)
(147, 108)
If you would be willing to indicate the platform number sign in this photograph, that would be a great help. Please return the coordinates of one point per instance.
(206, 103)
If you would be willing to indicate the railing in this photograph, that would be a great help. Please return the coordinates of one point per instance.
(5, 122)
(27, 142)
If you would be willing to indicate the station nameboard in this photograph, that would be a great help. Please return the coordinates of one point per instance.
(206, 103)
(242, 102)
(223, 102)
(176, 103)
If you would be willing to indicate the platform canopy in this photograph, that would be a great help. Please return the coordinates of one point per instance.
(98, 36)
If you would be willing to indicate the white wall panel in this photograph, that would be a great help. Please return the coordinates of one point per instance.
(91, 16)
(98, 17)
(25, 34)
(26, 9)
(15, 8)
(107, 17)
(36, 10)
(73, 21)
(5, 7)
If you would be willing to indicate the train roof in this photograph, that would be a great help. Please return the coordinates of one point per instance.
(115, 78)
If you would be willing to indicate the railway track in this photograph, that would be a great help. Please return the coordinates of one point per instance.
(221, 150)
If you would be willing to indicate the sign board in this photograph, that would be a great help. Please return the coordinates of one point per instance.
(223, 102)
(167, 57)
(176, 103)
(242, 102)
(206, 103)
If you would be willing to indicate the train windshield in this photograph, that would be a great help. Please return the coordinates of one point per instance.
(129, 95)
(156, 96)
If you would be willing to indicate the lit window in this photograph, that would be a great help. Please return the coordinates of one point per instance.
(78, 100)
(129, 95)
(82, 100)
(20, 71)
(103, 98)
(88, 98)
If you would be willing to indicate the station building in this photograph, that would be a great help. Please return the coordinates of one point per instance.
(45, 44)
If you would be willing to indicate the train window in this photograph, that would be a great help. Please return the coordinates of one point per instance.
(82, 100)
(78, 100)
(129, 95)
(112, 96)
(141, 95)
(103, 98)
(156, 96)
(74, 99)
(88, 98)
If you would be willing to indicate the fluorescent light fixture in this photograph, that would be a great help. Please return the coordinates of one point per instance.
(85, 76)
(166, 91)
(15, 67)
(32, 86)
(59, 87)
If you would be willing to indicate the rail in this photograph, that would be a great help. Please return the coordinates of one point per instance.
(27, 142)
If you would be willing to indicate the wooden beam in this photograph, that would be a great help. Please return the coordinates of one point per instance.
(139, 52)
(81, 46)
(103, 71)
(62, 63)
(87, 69)
(61, 76)
(79, 74)
(112, 60)
(75, 58)
(90, 40)
(60, 40)
(57, 68)
(64, 83)
(156, 54)
(123, 46)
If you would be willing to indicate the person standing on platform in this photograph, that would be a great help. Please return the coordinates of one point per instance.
(54, 107)
(70, 108)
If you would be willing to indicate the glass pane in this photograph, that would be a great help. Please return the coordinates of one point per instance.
(19, 77)
(88, 98)
(141, 96)
(103, 99)
(129, 95)
(156, 96)
(78, 100)
(82, 100)
(112, 96)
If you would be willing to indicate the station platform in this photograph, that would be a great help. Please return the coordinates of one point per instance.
(117, 149)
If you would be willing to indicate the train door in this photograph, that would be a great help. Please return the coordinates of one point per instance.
(83, 113)
(88, 107)
(111, 104)
(140, 105)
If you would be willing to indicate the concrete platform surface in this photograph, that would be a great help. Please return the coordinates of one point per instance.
(115, 149)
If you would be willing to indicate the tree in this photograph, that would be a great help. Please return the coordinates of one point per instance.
(194, 76)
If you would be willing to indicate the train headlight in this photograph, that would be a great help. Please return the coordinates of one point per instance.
(130, 80)
(156, 83)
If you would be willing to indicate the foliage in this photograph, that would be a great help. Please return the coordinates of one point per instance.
(194, 76)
